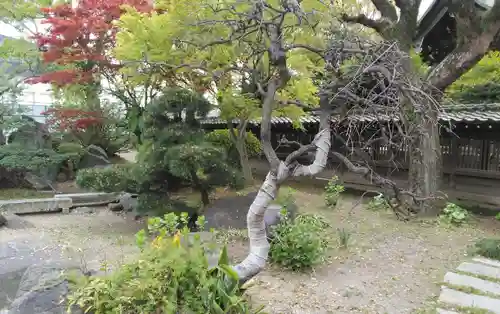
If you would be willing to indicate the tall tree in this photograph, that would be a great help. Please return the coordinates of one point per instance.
(188, 54)
(475, 32)
(481, 84)
(271, 45)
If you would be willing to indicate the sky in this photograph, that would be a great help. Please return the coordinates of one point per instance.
(10, 31)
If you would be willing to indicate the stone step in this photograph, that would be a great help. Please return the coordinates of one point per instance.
(441, 311)
(89, 199)
(487, 261)
(36, 205)
(458, 298)
(472, 282)
(480, 269)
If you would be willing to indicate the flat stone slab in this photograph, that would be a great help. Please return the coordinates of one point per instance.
(480, 269)
(16, 256)
(36, 205)
(472, 282)
(487, 261)
(458, 298)
(86, 199)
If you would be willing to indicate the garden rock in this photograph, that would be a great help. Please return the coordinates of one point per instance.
(32, 134)
(3, 220)
(84, 210)
(37, 182)
(115, 207)
(94, 156)
(128, 202)
(42, 289)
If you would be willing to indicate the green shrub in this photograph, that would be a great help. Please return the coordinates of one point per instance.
(489, 248)
(332, 192)
(170, 276)
(116, 178)
(455, 214)
(16, 161)
(286, 197)
(497, 216)
(299, 244)
(221, 138)
(378, 203)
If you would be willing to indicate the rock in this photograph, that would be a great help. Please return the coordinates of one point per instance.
(62, 177)
(84, 210)
(16, 256)
(31, 134)
(3, 220)
(128, 202)
(43, 288)
(37, 182)
(16, 222)
(94, 156)
(115, 207)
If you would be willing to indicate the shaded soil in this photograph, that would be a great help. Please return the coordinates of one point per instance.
(229, 212)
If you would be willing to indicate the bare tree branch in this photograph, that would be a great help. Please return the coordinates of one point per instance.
(378, 25)
(386, 8)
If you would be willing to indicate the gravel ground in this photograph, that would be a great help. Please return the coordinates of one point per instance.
(389, 266)
(101, 236)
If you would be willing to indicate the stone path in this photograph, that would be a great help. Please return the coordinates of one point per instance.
(473, 288)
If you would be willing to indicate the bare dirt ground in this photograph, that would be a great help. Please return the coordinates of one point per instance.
(389, 266)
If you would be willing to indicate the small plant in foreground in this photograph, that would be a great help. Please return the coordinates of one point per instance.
(489, 248)
(286, 197)
(332, 192)
(172, 275)
(497, 216)
(344, 238)
(455, 214)
(378, 203)
(301, 243)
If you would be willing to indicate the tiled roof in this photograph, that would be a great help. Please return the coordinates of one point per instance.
(456, 113)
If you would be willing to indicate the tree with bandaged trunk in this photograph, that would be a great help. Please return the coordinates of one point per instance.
(477, 32)
(277, 49)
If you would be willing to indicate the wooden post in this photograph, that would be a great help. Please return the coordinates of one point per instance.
(455, 158)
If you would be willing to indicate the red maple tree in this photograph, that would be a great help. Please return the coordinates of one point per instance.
(71, 119)
(80, 39)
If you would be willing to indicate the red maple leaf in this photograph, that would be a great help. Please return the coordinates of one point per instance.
(82, 37)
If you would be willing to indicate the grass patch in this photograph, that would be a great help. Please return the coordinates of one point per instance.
(488, 247)
(487, 278)
(470, 290)
(13, 194)
(464, 309)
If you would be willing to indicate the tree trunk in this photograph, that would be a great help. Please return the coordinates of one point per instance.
(259, 245)
(425, 170)
(205, 197)
(244, 162)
